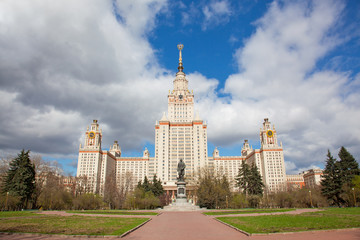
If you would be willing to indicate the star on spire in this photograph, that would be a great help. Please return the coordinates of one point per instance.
(180, 67)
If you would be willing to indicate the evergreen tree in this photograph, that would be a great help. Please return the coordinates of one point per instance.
(226, 195)
(332, 182)
(157, 188)
(242, 180)
(349, 166)
(139, 185)
(255, 185)
(20, 178)
(146, 185)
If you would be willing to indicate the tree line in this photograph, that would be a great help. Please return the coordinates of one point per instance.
(31, 183)
(340, 186)
(214, 189)
(34, 183)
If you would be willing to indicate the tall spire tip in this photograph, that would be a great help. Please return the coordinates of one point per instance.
(180, 67)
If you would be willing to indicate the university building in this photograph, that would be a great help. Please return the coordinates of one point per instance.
(179, 134)
(310, 179)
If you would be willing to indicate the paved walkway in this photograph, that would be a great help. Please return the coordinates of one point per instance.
(196, 226)
(184, 226)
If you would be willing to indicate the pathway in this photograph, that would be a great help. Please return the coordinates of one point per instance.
(196, 226)
(184, 226)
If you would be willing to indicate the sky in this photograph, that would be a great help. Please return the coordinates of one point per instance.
(65, 63)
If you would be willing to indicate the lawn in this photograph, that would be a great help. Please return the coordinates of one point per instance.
(7, 214)
(334, 218)
(73, 225)
(113, 212)
(347, 211)
(247, 211)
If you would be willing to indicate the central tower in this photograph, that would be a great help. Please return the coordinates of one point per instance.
(179, 135)
(180, 100)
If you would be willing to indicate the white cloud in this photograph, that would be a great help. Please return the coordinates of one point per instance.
(73, 63)
(189, 13)
(76, 62)
(139, 16)
(233, 39)
(313, 110)
(215, 13)
(202, 86)
(207, 14)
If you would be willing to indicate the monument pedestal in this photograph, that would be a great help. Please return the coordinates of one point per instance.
(181, 190)
(181, 203)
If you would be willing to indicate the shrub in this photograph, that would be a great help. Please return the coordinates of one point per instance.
(239, 201)
(88, 201)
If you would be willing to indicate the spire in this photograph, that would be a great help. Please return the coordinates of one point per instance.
(197, 116)
(180, 67)
(180, 81)
(164, 118)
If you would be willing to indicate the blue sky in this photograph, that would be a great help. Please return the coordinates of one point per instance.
(221, 38)
(216, 40)
(294, 62)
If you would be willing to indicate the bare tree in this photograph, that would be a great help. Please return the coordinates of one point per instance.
(4, 166)
(125, 185)
(54, 195)
(213, 188)
(82, 185)
(44, 171)
(111, 191)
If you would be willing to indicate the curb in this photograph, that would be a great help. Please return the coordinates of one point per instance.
(285, 233)
(135, 228)
(312, 231)
(55, 235)
(239, 230)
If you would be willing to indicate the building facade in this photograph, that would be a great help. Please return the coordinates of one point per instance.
(312, 177)
(295, 181)
(269, 159)
(309, 179)
(179, 134)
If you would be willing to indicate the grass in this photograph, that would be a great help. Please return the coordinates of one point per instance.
(113, 212)
(247, 211)
(328, 219)
(7, 214)
(73, 225)
(347, 211)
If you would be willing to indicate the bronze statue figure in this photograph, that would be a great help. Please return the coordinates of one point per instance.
(181, 170)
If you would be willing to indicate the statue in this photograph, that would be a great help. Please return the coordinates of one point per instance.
(181, 170)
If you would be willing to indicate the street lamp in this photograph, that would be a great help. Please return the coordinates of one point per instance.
(6, 202)
(227, 203)
(354, 197)
(310, 198)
